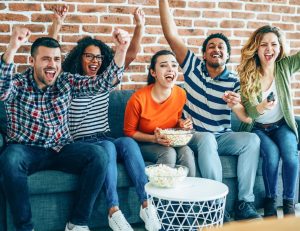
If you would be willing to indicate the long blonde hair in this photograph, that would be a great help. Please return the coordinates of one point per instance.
(250, 70)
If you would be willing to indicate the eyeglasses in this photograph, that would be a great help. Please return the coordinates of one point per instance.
(90, 57)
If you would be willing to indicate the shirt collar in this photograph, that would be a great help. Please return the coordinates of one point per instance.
(223, 76)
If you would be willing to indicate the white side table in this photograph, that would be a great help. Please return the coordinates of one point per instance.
(193, 205)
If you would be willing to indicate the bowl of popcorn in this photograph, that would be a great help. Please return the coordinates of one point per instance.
(178, 136)
(164, 176)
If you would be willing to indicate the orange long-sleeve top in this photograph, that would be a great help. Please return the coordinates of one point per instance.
(144, 114)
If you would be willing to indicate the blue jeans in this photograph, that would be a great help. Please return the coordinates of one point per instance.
(128, 151)
(19, 161)
(208, 147)
(279, 142)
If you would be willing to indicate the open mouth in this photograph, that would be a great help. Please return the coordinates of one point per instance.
(216, 56)
(50, 73)
(268, 57)
(169, 77)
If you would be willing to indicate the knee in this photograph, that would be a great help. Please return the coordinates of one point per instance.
(252, 140)
(168, 156)
(204, 138)
(110, 150)
(98, 156)
(11, 161)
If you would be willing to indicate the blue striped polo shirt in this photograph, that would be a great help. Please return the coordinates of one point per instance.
(205, 106)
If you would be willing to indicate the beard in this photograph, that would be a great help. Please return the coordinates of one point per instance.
(215, 64)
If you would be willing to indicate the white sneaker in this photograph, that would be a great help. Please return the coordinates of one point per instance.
(149, 216)
(117, 222)
(72, 227)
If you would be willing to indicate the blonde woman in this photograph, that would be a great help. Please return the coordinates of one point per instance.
(265, 72)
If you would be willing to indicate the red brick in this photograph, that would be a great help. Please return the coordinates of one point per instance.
(225, 32)
(205, 23)
(69, 29)
(152, 21)
(183, 22)
(138, 78)
(151, 11)
(284, 9)
(50, 7)
(23, 6)
(216, 14)
(200, 5)
(72, 38)
(13, 17)
(24, 49)
(142, 58)
(293, 19)
(41, 17)
(230, 5)
(190, 32)
(195, 41)
(186, 13)
(153, 30)
(115, 19)
(232, 24)
(4, 38)
(110, 1)
(243, 15)
(258, 7)
(98, 29)
(121, 9)
(284, 26)
(292, 35)
(81, 19)
(156, 48)
(256, 24)
(3, 48)
(147, 40)
(91, 8)
(4, 28)
(269, 17)
(34, 28)
(20, 59)
(2, 6)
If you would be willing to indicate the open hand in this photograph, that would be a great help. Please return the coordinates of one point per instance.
(139, 17)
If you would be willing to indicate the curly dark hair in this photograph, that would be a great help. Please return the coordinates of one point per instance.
(72, 62)
(220, 36)
(153, 61)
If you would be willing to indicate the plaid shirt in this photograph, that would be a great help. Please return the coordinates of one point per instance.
(38, 117)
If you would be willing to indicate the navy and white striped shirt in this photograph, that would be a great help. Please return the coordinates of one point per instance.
(89, 115)
(209, 112)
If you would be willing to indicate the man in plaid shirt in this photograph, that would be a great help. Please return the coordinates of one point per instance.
(38, 136)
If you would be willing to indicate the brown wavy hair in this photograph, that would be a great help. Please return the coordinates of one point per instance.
(250, 69)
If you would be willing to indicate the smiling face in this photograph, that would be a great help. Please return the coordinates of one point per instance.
(90, 63)
(166, 71)
(216, 53)
(268, 49)
(46, 66)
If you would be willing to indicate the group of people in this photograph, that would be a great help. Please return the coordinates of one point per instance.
(58, 117)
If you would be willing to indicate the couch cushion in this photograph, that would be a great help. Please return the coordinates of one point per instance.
(51, 181)
(117, 105)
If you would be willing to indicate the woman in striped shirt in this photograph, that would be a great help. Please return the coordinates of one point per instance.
(88, 119)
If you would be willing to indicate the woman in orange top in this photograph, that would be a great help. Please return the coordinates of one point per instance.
(158, 106)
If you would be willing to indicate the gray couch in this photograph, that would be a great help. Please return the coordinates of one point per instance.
(52, 191)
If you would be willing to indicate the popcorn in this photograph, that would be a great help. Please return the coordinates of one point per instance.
(164, 176)
(177, 137)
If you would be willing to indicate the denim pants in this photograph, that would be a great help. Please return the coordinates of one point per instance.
(128, 151)
(208, 147)
(168, 155)
(19, 161)
(279, 142)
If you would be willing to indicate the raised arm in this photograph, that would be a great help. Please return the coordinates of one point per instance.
(59, 16)
(170, 31)
(135, 43)
(19, 36)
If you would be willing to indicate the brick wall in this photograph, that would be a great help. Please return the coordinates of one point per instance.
(195, 20)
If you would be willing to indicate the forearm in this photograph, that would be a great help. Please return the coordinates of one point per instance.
(6, 76)
(54, 30)
(134, 46)
(168, 25)
(144, 137)
(8, 56)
